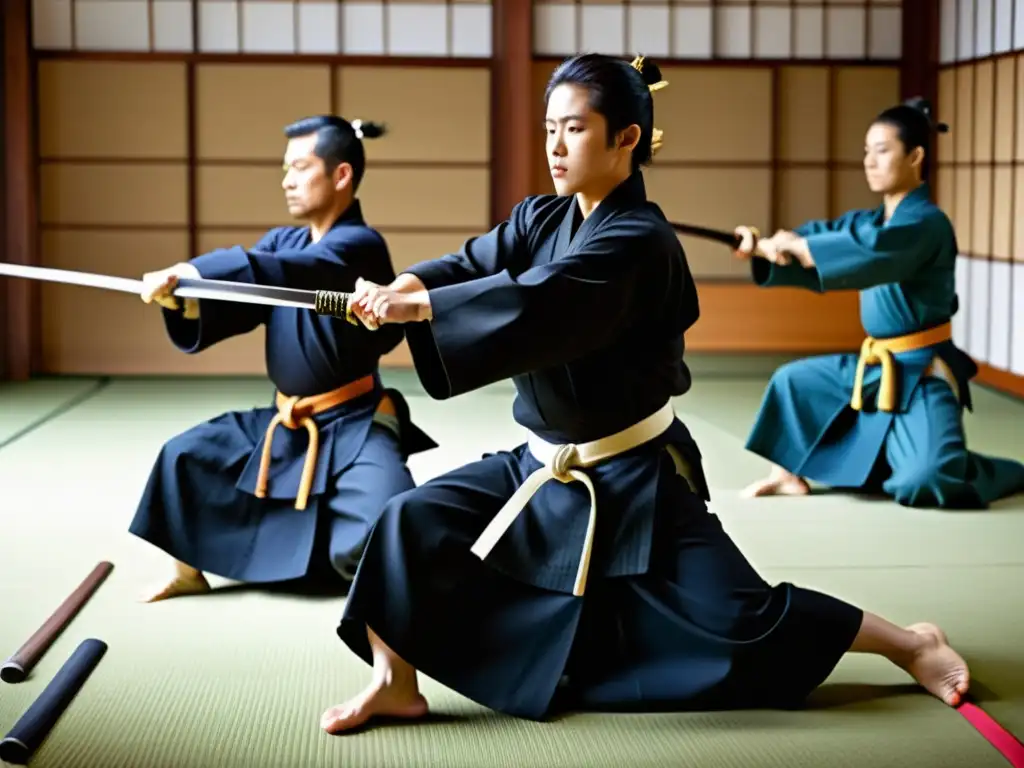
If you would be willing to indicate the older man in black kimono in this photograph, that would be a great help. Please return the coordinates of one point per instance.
(288, 492)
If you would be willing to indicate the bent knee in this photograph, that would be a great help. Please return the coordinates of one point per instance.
(411, 516)
(788, 373)
(207, 441)
(407, 502)
(798, 373)
(182, 446)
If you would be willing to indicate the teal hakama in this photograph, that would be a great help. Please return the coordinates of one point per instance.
(900, 433)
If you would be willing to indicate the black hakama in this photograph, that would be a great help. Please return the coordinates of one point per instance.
(589, 324)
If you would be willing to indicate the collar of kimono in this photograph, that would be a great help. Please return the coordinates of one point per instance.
(921, 194)
(565, 463)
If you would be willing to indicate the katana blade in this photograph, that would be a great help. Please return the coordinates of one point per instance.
(333, 303)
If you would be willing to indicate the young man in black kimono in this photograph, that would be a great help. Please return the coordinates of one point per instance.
(476, 579)
(287, 492)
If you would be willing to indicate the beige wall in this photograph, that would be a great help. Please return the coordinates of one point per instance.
(980, 178)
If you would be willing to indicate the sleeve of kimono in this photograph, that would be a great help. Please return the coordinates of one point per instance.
(218, 320)
(768, 275)
(499, 326)
(817, 226)
(481, 256)
(322, 266)
(855, 258)
(326, 265)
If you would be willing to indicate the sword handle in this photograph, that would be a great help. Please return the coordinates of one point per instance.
(335, 304)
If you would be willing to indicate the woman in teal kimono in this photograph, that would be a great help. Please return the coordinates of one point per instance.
(889, 419)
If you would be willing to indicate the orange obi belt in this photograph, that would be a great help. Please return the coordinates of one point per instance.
(296, 412)
(880, 351)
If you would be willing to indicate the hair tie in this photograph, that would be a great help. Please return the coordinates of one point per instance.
(357, 126)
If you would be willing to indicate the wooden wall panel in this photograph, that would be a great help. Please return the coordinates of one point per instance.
(802, 116)
(720, 130)
(20, 298)
(803, 195)
(110, 194)
(744, 318)
(860, 93)
(712, 197)
(241, 109)
(5, 321)
(155, 172)
(108, 109)
(434, 114)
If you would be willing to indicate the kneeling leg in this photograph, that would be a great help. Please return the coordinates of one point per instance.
(927, 454)
(802, 398)
(422, 601)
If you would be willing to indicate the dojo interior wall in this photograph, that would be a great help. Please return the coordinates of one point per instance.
(152, 148)
(980, 178)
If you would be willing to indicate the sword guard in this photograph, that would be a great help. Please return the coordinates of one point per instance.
(334, 304)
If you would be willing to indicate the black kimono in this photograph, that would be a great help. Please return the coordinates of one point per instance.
(200, 503)
(588, 319)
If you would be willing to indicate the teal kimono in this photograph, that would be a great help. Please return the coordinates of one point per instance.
(915, 453)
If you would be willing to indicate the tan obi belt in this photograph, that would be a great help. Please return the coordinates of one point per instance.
(296, 412)
(874, 351)
(565, 463)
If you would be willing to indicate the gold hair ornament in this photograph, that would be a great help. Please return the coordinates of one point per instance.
(638, 65)
(656, 134)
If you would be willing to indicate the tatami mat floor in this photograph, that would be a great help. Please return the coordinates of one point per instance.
(239, 678)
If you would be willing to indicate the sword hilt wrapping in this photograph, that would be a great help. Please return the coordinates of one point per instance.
(335, 304)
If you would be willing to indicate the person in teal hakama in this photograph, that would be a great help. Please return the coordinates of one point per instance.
(887, 420)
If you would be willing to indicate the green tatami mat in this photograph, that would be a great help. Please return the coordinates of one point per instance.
(241, 677)
(25, 404)
(980, 610)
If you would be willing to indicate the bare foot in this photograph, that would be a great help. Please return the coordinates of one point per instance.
(179, 586)
(379, 699)
(937, 667)
(778, 483)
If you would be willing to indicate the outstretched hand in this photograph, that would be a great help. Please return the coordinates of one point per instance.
(778, 249)
(375, 304)
(159, 287)
(748, 237)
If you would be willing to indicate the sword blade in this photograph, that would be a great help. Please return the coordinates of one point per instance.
(245, 293)
(217, 290)
(69, 277)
